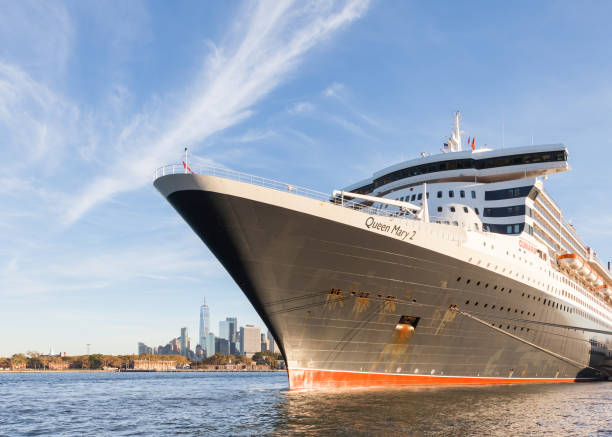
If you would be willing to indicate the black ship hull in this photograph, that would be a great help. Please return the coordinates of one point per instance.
(349, 307)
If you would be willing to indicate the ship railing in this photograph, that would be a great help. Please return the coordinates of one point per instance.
(276, 185)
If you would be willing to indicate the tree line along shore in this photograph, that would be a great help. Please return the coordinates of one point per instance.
(260, 361)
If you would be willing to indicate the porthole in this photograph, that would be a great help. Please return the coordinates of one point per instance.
(459, 279)
(495, 287)
(492, 307)
(486, 285)
(509, 309)
(478, 284)
(468, 281)
(502, 289)
(467, 302)
(486, 305)
(501, 308)
(476, 304)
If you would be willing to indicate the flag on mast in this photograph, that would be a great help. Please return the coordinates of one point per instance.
(473, 143)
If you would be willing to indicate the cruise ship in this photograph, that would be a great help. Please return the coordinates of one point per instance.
(453, 268)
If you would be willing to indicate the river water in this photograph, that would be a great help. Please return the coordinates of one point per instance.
(163, 404)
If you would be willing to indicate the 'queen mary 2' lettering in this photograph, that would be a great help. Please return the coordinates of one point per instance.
(527, 246)
(396, 230)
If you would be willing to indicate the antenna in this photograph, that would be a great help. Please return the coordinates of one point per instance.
(88, 348)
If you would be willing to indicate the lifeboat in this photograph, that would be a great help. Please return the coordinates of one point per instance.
(579, 266)
(571, 261)
(598, 282)
(605, 290)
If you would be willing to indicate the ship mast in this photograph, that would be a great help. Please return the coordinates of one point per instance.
(455, 138)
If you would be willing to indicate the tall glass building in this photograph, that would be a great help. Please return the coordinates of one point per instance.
(204, 324)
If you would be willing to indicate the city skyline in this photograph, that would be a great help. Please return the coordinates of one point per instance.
(95, 96)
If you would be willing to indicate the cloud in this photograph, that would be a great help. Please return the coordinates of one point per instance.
(334, 90)
(301, 108)
(39, 34)
(87, 269)
(233, 79)
(36, 124)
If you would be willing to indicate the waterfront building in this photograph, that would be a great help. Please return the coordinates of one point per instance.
(265, 344)
(153, 365)
(204, 323)
(250, 340)
(210, 344)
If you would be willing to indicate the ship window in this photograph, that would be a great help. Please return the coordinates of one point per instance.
(452, 209)
(420, 196)
(459, 279)
(439, 194)
(439, 209)
(467, 302)
(509, 229)
(455, 222)
(451, 193)
(465, 209)
(462, 194)
(508, 193)
(506, 211)
(473, 194)
(413, 197)
(476, 211)
(476, 226)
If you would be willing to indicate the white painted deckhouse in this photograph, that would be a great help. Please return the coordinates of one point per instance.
(454, 268)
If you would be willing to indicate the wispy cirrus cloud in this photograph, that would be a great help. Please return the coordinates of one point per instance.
(234, 78)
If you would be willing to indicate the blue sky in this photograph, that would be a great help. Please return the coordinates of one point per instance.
(95, 95)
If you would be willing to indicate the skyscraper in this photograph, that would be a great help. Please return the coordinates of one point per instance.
(184, 341)
(272, 343)
(210, 344)
(204, 323)
(250, 340)
(224, 330)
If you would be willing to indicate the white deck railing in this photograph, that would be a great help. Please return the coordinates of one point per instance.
(275, 185)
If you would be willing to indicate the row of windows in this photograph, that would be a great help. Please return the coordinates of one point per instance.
(515, 228)
(507, 211)
(458, 164)
(453, 209)
(451, 194)
(508, 193)
(544, 301)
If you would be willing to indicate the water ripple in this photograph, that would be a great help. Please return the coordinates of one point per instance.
(161, 404)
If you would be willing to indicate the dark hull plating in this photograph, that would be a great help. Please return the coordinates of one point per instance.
(333, 295)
